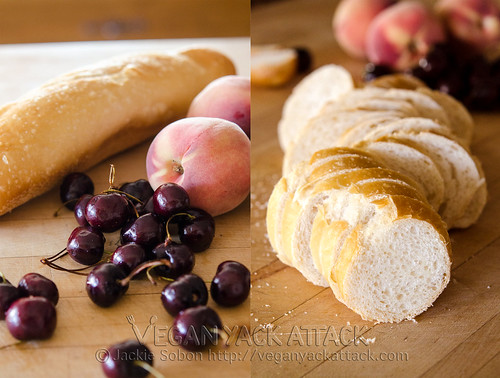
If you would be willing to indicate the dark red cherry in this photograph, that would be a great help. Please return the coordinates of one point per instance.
(31, 318)
(107, 212)
(169, 199)
(74, 186)
(128, 257)
(124, 360)
(148, 230)
(79, 210)
(38, 286)
(231, 284)
(197, 230)
(104, 285)
(86, 245)
(140, 189)
(145, 208)
(187, 291)
(180, 256)
(8, 295)
(197, 327)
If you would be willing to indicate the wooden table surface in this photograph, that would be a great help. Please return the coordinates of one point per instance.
(304, 330)
(31, 232)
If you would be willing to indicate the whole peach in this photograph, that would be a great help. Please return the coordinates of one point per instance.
(227, 97)
(351, 21)
(208, 157)
(476, 22)
(402, 34)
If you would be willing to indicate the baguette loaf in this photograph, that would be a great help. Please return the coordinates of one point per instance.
(79, 119)
(339, 220)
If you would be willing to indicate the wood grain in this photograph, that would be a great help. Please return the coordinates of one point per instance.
(32, 21)
(31, 232)
(458, 336)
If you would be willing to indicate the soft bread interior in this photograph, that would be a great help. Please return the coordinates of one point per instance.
(395, 273)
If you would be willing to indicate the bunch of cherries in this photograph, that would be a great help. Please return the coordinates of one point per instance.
(29, 309)
(456, 70)
(159, 231)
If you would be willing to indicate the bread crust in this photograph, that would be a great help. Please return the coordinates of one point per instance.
(83, 117)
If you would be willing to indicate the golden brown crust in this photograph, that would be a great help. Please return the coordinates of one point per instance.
(83, 117)
(399, 81)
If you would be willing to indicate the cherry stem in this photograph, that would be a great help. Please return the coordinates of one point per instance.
(112, 173)
(150, 369)
(190, 216)
(58, 267)
(49, 261)
(147, 265)
(56, 213)
(56, 256)
(2, 278)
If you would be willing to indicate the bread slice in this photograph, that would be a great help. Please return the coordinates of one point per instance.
(282, 193)
(477, 203)
(384, 129)
(324, 130)
(461, 122)
(412, 163)
(356, 133)
(323, 85)
(272, 65)
(394, 267)
(460, 173)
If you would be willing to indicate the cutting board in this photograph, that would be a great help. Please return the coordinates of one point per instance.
(31, 232)
(307, 332)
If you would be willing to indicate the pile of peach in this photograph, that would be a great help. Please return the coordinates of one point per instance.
(452, 46)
